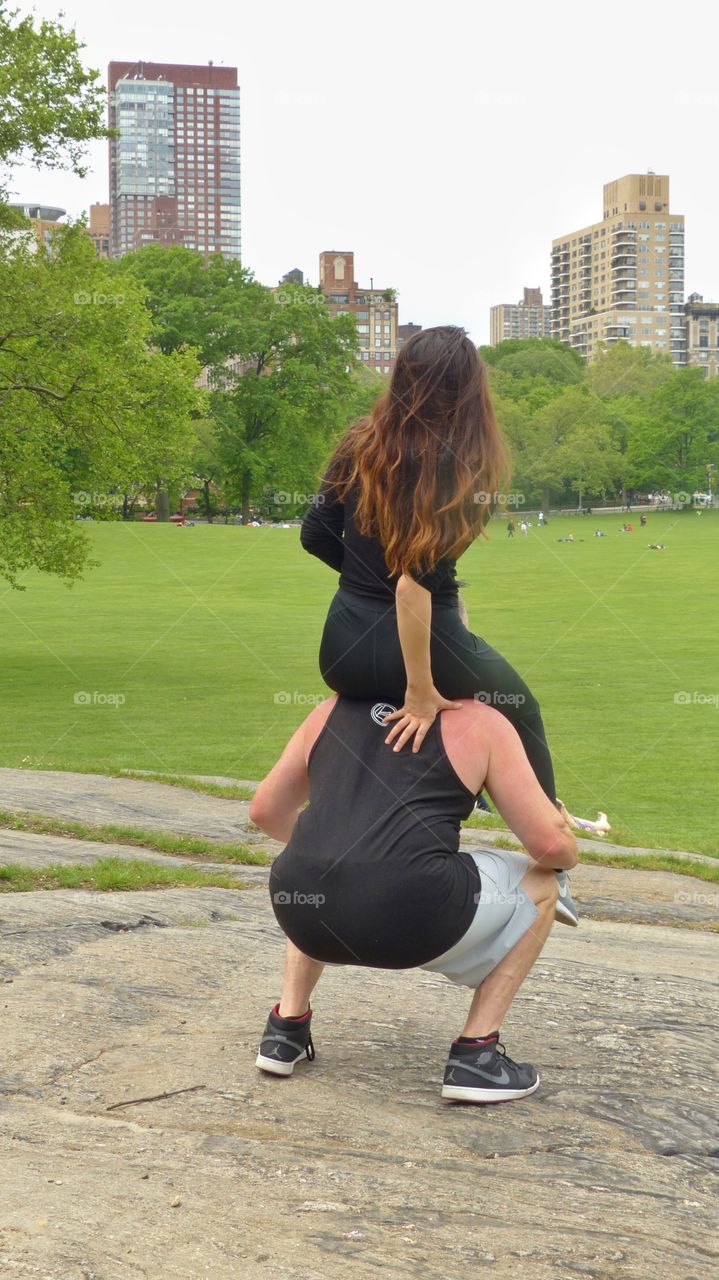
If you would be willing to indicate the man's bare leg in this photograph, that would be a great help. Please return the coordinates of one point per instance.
(300, 979)
(287, 1039)
(493, 998)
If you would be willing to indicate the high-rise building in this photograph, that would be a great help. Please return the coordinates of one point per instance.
(375, 310)
(175, 168)
(529, 318)
(99, 229)
(702, 324)
(623, 277)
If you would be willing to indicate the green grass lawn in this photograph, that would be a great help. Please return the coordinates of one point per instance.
(195, 632)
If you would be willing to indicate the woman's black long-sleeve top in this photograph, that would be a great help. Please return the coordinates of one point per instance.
(329, 532)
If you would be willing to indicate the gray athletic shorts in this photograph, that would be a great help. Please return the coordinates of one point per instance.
(504, 914)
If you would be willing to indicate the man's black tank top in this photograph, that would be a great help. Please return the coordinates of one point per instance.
(372, 873)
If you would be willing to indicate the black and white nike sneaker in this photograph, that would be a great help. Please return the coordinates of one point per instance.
(565, 910)
(482, 1072)
(285, 1041)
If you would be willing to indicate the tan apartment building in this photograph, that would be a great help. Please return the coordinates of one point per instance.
(623, 277)
(702, 324)
(529, 318)
(375, 310)
(45, 219)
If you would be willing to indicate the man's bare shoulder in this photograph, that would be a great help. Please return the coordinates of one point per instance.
(467, 734)
(473, 717)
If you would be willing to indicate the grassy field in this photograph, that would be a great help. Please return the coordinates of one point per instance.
(195, 651)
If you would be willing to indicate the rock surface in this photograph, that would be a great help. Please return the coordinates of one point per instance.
(98, 799)
(353, 1166)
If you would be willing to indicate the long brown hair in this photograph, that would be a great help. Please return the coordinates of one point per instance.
(429, 460)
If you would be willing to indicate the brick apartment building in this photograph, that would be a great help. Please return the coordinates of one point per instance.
(375, 310)
(175, 168)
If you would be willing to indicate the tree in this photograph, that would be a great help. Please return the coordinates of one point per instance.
(569, 442)
(85, 401)
(678, 435)
(623, 370)
(532, 370)
(587, 459)
(207, 466)
(514, 420)
(276, 417)
(52, 106)
(195, 302)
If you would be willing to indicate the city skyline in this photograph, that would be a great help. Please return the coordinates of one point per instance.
(420, 143)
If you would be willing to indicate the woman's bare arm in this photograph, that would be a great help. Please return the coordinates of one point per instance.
(422, 701)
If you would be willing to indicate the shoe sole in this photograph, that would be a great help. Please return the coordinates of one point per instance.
(456, 1093)
(563, 915)
(276, 1068)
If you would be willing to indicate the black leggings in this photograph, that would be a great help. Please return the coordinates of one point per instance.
(361, 657)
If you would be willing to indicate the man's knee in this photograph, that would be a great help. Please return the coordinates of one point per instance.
(542, 887)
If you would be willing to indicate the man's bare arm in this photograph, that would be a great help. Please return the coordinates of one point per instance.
(281, 796)
(528, 812)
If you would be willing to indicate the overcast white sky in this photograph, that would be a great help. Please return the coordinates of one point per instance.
(445, 144)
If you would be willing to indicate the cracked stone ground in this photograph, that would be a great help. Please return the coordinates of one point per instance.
(354, 1165)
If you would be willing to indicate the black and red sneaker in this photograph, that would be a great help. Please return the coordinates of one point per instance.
(480, 1071)
(285, 1041)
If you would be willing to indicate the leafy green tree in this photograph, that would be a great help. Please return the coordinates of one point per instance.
(52, 106)
(276, 415)
(207, 468)
(515, 422)
(279, 368)
(588, 460)
(556, 437)
(623, 370)
(679, 434)
(194, 302)
(86, 404)
(532, 370)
